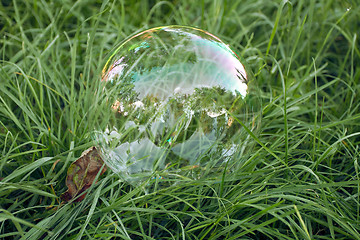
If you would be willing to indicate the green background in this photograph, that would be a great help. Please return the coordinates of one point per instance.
(300, 182)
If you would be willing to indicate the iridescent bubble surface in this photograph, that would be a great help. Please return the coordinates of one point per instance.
(174, 98)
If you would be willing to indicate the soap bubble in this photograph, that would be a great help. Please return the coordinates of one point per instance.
(174, 97)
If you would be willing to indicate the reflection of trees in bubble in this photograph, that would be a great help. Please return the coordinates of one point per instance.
(203, 111)
(178, 117)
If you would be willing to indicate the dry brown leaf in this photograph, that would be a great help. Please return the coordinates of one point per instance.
(81, 174)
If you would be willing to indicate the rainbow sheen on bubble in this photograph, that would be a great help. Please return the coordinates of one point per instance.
(174, 98)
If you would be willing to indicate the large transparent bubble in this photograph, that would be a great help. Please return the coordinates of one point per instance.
(173, 98)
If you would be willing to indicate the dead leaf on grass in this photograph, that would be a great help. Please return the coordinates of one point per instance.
(81, 174)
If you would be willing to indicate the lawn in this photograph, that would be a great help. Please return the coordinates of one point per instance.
(300, 180)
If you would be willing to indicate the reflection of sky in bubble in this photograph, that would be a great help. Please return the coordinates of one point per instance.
(214, 63)
(213, 48)
(184, 78)
(116, 70)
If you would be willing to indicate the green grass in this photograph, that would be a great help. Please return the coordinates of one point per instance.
(301, 181)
